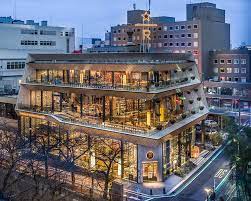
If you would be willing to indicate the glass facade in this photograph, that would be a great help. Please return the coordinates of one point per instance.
(139, 81)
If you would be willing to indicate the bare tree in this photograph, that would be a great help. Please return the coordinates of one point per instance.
(107, 155)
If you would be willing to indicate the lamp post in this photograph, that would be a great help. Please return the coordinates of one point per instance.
(208, 190)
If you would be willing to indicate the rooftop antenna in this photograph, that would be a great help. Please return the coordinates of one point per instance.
(15, 10)
(82, 38)
(149, 6)
(134, 6)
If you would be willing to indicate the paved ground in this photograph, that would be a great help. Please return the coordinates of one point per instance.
(196, 190)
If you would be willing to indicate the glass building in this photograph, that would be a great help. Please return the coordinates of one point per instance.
(144, 106)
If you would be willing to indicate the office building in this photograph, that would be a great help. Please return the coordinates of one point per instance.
(204, 29)
(146, 103)
(19, 38)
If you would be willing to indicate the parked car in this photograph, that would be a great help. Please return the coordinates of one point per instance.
(211, 123)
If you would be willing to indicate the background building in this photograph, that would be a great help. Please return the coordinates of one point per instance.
(84, 43)
(19, 38)
(205, 29)
(229, 92)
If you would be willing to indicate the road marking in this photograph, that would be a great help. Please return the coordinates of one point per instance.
(133, 198)
(220, 173)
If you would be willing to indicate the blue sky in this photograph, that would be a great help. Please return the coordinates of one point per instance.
(98, 15)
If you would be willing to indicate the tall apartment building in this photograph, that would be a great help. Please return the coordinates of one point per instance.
(19, 38)
(145, 105)
(204, 29)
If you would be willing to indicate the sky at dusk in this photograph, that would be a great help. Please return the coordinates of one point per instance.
(97, 16)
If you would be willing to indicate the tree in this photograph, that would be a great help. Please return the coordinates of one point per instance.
(107, 155)
(11, 148)
(74, 147)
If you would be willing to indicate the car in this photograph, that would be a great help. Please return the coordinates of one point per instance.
(211, 123)
(210, 131)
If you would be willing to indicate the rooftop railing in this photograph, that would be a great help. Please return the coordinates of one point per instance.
(63, 118)
(128, 87)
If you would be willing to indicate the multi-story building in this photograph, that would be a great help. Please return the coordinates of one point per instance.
(229, 92)
(19, 38)
(205, 29)
(231, 65)
(146, 103)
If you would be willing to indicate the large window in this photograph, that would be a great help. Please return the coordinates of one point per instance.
(15, 65)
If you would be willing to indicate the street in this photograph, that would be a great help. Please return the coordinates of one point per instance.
(196, 190)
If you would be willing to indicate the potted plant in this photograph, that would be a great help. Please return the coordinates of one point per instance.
(193, 77)
(191, 101)
(201, 107)
(199, 99)
(159, 127)
(193, 112)
(172, 121)
(184, 116)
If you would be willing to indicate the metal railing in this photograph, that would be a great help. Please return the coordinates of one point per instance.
(140, 88)
(85, 121)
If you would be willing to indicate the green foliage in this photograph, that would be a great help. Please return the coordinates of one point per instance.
(216, 139)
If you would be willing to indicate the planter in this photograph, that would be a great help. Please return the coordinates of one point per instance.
(159, 127)
(193, 77)
(172, 121)
(191, 101)
(196, 90)
(193, 112)
(184, 116)
(201, 107)
(199, 99)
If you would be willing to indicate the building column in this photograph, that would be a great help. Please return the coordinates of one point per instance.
(179, 150)
(122, 159)
(81, 105)
(113, 85)
(203, 130)
(193, 140)
(103, 108)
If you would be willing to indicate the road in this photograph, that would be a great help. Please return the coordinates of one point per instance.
(196, 190)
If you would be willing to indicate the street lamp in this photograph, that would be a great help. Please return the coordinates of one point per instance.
(208, 190)
(238, 146)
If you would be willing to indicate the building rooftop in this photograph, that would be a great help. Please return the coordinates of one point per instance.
(139, 58)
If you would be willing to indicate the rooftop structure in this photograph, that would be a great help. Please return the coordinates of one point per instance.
(148, 103)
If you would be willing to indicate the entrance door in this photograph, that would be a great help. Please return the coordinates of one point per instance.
(150, 171)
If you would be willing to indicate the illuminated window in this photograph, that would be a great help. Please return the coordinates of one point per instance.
(236, 61)
(229, 70)
(243, 79)
(243, 61)
(236, 70)
(195, 35)
(195, 44)
(243, 70)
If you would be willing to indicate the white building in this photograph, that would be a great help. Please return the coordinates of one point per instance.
(17, 39)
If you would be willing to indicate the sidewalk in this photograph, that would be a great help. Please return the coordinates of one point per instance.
(172, 183)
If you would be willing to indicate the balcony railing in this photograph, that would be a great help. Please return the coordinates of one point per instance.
(63, 118)
(138, 88)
